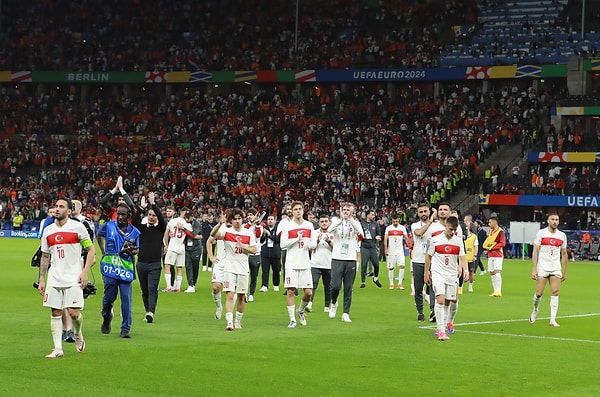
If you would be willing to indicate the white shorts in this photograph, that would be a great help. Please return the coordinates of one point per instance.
(61, 298)
(298, 278)
(443, 287)
(174, 259)
(395, 261)
(547, 272)
(233, 282)
(218, 272)
(495, 264)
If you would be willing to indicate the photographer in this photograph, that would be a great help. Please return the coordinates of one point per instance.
(118, 241)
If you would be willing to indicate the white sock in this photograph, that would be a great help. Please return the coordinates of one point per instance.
(217, 299)
(291, 312)
(238, 317)
(178, 281)
(77, 324)
(400, 275)
(229, 317)
(553, 308)
(168, 280)
(391, 276)
(470, 286)
(440, 317)
(56, 329)
(536, 302)
(452, 312)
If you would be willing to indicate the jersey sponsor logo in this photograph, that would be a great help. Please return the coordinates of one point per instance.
(447, 249)
(552, 241)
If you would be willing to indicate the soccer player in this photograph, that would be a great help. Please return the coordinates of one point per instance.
(239, 243)
(320, 262)
(218, 268)
(549, 260)
(393, 242)
(298, 238)
(444, 262)
(61, 243)
(174, 242)
(494, 244)
(119, 242)
(346, 232)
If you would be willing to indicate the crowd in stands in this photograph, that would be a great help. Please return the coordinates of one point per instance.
(112, 35)
(264, 149)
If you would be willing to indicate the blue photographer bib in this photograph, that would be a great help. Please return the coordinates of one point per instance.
(115, 263)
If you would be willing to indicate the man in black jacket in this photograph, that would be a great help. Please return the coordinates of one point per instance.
(152, 229)
(270, 253)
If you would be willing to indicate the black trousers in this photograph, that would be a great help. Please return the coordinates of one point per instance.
(192, 265)
(342, 272)
(326, 275)
(419, 276)
(149, 276)
(267, 265)
(368, 255)
(254, 262)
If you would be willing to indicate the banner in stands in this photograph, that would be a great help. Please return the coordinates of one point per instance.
(18, 234)
(539, 201)
(563, 157)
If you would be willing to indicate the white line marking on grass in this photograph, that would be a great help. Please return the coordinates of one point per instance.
(521, 335)
(530, 336)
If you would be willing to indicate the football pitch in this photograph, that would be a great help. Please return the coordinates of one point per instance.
(383, 352)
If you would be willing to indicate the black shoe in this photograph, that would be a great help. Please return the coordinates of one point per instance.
(377, 283)
(432, 318)
(125, 334)
(363, 285)
(105, 327)
(421, 317)
(370, 274)
(68, 336)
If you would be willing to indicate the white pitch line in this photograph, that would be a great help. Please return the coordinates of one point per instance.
(521, 335)
(462, 331)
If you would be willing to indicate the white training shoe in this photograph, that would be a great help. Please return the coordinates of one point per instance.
(326, 309)
(55, 354)
(333, 310)
(301, 318)
(309, 307)
(237, 325)
(191, 289)
(554, 324)
(79, 342)
(218, 313)
(481, 273)
(532, 317)
(250, 298)
(276, 288)
(204, 268)
(292, 324)
(346, 318)
(263, 289)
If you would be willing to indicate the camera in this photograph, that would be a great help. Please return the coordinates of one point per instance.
(90, 289)
(127, 247)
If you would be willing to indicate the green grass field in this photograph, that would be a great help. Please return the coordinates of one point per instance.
(384, 351)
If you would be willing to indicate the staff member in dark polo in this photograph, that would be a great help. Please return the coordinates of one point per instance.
(152, 228)
(368, 249)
